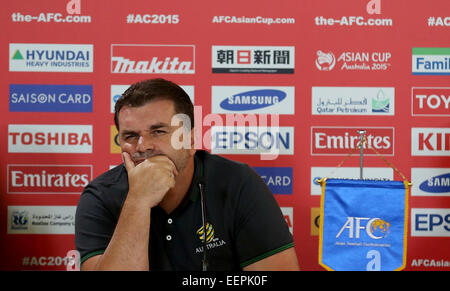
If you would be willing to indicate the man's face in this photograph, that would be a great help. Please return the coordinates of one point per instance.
(146, 131)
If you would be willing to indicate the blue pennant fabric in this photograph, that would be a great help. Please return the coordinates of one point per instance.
(363, 225)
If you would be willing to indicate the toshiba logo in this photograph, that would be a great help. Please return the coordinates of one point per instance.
(39, 138)
(431, 101)
(48, 179)
(430, 141)
(152, 59)
(341, 140)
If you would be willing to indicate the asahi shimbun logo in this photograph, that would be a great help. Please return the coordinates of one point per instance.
(37, 57)
(253, 59)
(152, 59)
(45, 138)
(341, 140)
(48, 179)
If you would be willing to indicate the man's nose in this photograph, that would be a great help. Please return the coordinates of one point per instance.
(144, 144)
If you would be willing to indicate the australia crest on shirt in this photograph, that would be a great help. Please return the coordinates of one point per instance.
(211, 240)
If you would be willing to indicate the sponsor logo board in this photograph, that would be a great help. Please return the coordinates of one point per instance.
(50, 98)
(252, 99)
(353, 101)
(342, 140)
(430, 181)
(41, 219)
(429, 101)
(253, 59)
(430, 141)
(251, 140)
(430, 222)
(347, 173)
(152, 59)
(45, 138)
(48, 179)
(37, 57)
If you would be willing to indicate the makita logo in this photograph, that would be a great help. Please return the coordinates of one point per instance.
(341, 140)
(153, 59)
(251, 99)
(431, 101)
(24, 138)
(430, 141)
(48, 179)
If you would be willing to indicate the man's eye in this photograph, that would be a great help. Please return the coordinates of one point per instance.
(130, 137)
(158, 132)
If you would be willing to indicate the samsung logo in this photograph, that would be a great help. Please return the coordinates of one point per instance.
(437, 184)
(252, 99)
(430, 181)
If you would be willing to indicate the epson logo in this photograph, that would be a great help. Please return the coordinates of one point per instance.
(278, 179)
(50, 98)
(430, 141)
(430, 181)
(251, 99)
(48, 179)
(430, 222)
(252, 140)
(44, 138)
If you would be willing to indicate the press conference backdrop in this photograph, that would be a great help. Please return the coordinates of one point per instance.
(328, 68)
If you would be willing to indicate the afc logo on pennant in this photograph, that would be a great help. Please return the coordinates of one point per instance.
(375, 228)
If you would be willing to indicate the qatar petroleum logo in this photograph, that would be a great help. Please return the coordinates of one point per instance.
(325, 61)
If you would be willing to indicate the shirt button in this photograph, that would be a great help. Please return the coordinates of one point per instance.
(168, 237)
(169, 221)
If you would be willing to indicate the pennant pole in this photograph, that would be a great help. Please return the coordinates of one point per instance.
(362, 139)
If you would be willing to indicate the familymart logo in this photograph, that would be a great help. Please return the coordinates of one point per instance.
(431, 61)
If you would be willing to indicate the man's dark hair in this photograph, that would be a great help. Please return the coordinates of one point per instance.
(145, 91)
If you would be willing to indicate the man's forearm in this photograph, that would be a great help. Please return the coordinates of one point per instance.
(128, 248)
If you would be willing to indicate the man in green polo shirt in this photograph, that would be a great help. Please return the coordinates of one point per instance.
(167, 208)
